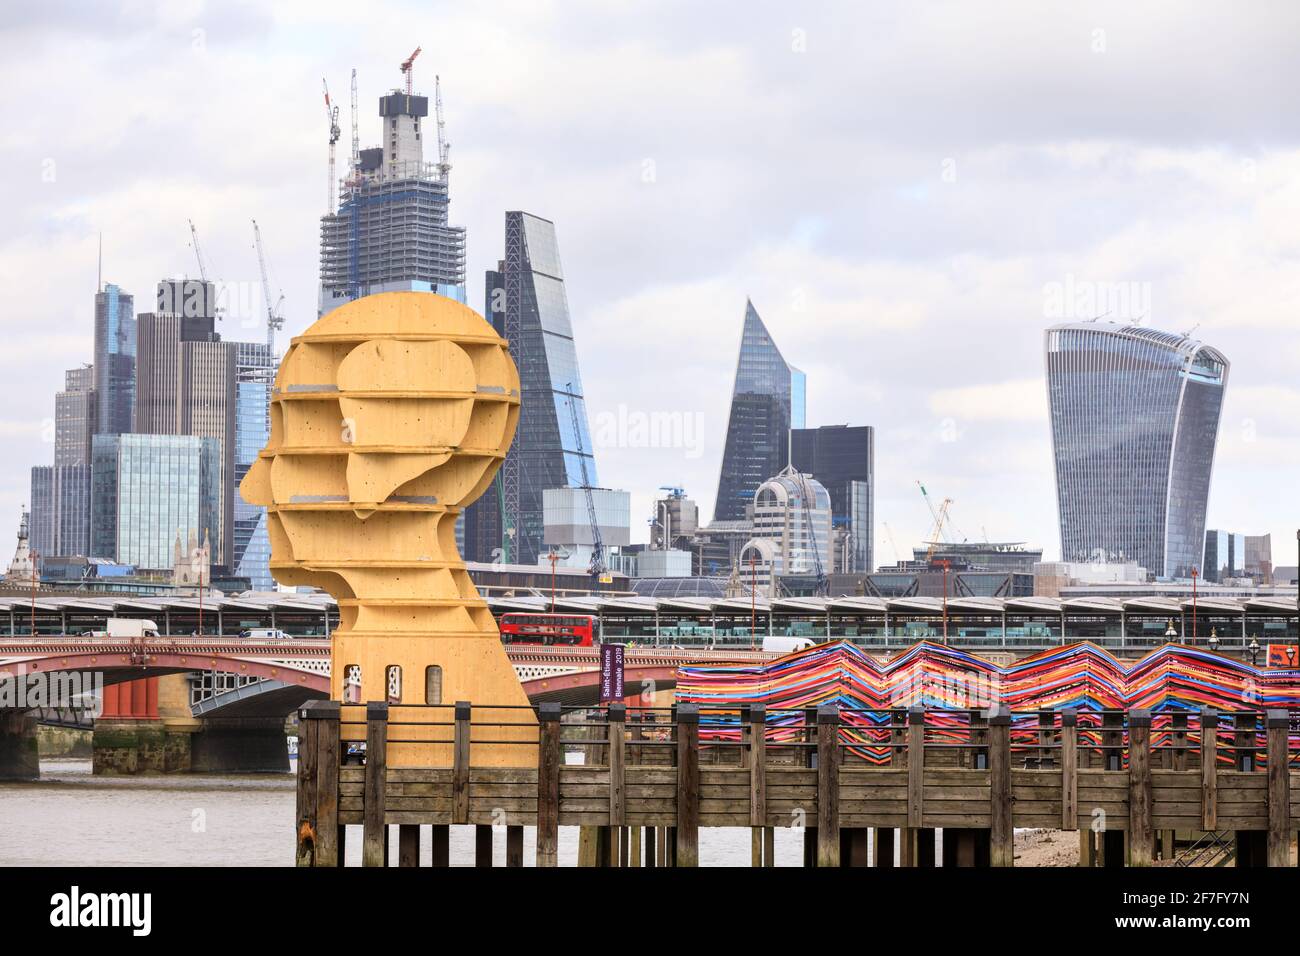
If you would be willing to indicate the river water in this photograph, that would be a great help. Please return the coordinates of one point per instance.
(72, 818)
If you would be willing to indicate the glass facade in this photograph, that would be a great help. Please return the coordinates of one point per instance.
(843, 459)
(552, 447)
(146, 490)
(767, 401)
(252, 548)
(1134, 417)
(114, 366)
(60, 516)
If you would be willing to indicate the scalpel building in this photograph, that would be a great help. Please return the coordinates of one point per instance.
(1135, 418)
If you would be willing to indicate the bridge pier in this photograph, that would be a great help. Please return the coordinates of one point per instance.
(123, 746)
(240, 745)
(18, 756)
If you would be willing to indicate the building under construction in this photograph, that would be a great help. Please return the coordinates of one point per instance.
(388, 229)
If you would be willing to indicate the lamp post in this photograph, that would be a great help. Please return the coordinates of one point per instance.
(1214, 641)
(945, 564)
(1254, 652)
(1194, 576)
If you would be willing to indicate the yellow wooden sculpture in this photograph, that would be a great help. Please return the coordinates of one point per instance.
(388, 417)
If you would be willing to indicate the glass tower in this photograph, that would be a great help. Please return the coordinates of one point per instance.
(766, 402)
(1135, 419)
(526, 303)
(256, 370)
(843, 460)
(114, 375)
(147, 489)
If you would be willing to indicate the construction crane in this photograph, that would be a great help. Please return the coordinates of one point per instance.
(408, 69)
(198, 253)
(274, 318)
(940, 517)
(893, 545)
(597, 566)
(805, 494)
(444, 147)
(331, 117)
(355, 161)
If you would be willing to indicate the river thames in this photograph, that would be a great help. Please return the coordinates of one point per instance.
(72, 818)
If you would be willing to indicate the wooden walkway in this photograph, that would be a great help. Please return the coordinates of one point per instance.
(650, 783)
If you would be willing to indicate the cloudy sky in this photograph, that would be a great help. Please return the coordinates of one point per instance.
(909, 193)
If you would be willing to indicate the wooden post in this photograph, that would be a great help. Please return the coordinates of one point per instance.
(688, 785)
(328, 832)
(915, 764)
(440, 845)
(1141, 835)
(308, 747)
(1001, 835)
(758, 784)
(514, 846)
(460, 764)
(828, 786)
(617, 719)
(483, 845)
(1277, 726)
(408, 844)
(1046, 722)
(548, 784)
(1209, 770)
(374, 841)
(1069, 769)
(810, 761)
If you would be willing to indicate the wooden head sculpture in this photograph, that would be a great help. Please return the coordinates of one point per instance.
(388, 417)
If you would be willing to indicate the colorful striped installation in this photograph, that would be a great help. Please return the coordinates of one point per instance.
(1171, 679)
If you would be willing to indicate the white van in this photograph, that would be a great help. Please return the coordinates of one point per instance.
(784, 644)
(264, 634)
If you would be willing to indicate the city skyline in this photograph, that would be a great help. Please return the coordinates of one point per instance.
(886, 325)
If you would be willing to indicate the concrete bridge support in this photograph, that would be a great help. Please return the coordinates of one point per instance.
(240, 745)
(18, 756)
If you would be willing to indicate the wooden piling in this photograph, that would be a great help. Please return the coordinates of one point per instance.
(1141, 842)
(308, 748)
(408, 845)
(757, 736)
(548, 784)
(1069, 769)
(1277, 727)
(687, 844)
(374, 841)
(617, 785)
(460, 757)
(828, 786)
(1001, 834)
(483, 845)
(1209, 770)
(329, 835)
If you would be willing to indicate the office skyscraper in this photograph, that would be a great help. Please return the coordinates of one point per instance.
(147, 489)
(61, 510)
(187, 386)
(390, 232)
(256, 371)
(114, 368)
(766, 402)
(526, 303)
(1135, 419)
(843, 460)
(74, 417)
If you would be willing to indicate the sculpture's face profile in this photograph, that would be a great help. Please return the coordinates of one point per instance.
(388, 417)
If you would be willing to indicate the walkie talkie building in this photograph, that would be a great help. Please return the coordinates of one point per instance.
(1135, 419)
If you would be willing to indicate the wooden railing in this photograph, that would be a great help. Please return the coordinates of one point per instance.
(651, 779)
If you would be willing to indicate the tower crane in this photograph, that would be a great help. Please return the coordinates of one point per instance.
(597, 566)
(444, 147)
(198, 253)
(331, 117)
(408, 68)
(356, 135)
(274, 319)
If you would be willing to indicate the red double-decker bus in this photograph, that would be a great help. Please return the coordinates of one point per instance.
(571, 630)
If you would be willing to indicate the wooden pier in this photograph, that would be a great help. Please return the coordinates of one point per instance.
(651, 779)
